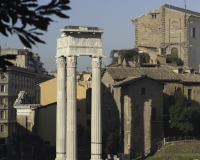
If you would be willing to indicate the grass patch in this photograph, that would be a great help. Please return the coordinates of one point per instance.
(177, 151)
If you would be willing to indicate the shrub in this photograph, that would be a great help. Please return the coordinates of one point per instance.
(174, 59)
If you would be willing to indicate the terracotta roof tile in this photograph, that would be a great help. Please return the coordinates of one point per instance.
(155, 73)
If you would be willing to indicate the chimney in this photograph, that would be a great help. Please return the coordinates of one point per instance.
(138, 59)
(119, 59)
(124, 64)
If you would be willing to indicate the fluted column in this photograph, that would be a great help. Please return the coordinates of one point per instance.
(61, 109)
(96, 128)
(71, 152)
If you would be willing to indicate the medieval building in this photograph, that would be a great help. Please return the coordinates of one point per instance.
(133, 100)
(169, 30)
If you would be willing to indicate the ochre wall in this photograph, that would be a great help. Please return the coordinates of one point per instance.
(48, 91)
(49, 96)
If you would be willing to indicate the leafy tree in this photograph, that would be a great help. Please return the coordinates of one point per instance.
(112, 146)
(181, 113)
(28, 20)
(174, 59)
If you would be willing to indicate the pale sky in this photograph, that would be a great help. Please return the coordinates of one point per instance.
(113, 16)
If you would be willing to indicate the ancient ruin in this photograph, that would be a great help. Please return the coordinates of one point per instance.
(77, 41)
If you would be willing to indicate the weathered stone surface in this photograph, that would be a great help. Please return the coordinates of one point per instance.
(166, 28)
(76, 41)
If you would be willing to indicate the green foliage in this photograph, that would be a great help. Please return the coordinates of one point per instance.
(18, 15)
(144, 57)
(4, 61)
(132, 52)
(181, 113)
(112, 145)
(178, 151)
(174, 59)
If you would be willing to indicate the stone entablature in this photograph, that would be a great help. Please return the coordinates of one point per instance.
(88, 44)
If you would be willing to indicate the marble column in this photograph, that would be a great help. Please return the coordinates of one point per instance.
(71, 151)
(61, 109)
(96, 128)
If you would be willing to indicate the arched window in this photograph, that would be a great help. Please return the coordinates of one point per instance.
(143, 91)
(153, 114)
(174, 52)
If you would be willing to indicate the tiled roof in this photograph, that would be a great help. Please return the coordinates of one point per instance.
(189, 77)
(174, 8)
(119, 73)
(134, 79)
(182, 10)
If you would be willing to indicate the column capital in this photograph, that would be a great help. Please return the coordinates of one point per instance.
(96, 62)
(61, 62)
(71, 61)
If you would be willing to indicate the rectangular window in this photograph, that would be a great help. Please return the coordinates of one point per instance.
(2, 101)
(193, 32)
(193, 57)
(2, 114)
(2, 128)
(2, 88)
(189, 94)
(153, 16)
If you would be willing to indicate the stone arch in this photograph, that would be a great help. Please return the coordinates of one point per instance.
(174, 52)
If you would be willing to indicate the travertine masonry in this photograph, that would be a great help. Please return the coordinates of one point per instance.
(167, 28)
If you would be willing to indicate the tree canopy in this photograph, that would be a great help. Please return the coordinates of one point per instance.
(181, 113)
(28, 20)
(174, 59)
(112, 145)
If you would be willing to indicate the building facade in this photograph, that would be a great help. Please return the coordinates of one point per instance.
(134, 107)
(130, 102)
(169, 30)
(46, 114)
(26, 74)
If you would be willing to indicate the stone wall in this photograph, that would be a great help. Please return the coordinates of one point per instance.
(148, 31)
(110, 104)
(125, 109)
(170, 29)
(138, 124)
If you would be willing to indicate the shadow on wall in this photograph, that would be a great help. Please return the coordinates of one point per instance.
(146, 113)
(136, 115)
(45, 125)
(110, 123)
(29, 146)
